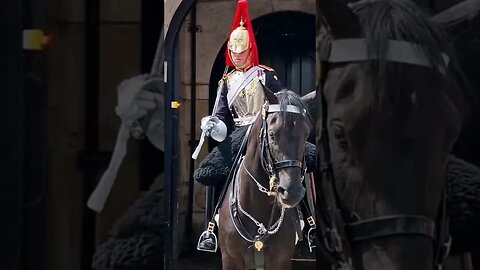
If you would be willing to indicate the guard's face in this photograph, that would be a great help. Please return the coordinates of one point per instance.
(241, 60)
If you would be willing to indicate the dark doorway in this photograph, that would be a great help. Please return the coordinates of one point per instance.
(286, 42)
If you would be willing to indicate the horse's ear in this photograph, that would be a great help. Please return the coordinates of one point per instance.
(272, 99)
(338, 15)
(309, 100)
(458, 15)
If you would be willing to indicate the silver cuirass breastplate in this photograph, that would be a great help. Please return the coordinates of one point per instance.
(249, 100)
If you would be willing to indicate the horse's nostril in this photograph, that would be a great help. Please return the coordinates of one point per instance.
(281, 191)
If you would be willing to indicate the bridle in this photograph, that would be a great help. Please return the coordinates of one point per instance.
(337, 225)
(270, 165)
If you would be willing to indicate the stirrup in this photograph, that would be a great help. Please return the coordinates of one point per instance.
(311, 236)
(444, 251)
(208, 234)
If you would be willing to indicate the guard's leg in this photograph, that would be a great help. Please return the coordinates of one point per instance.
(210, 203)
(281, 264)
(208, 240)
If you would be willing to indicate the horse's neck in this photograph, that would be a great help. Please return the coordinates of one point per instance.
(252, 200)
(402, 253)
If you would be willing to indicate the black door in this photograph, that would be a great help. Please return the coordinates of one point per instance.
(286, 42)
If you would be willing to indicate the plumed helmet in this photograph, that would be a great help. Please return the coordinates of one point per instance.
(241, 36)
(239, 40)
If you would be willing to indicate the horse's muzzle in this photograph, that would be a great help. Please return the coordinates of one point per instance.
(290, 196)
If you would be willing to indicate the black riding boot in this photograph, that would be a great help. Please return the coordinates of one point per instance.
(208, 240)
(208, 243)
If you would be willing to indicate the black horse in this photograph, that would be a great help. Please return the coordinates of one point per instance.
(256, 219)
(391, 110)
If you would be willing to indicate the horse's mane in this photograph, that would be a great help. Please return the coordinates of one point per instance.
(386, 20)
(287, 97)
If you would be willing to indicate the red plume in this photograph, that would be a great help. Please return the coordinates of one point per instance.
(242, 12)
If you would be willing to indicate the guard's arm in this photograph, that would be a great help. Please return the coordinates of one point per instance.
(220, 123)
(223, 112)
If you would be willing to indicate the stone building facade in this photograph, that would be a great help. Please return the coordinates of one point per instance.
(120, 54)
(214, 21)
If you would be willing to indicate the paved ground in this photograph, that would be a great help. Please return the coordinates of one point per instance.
(200, 261)
(197, 260)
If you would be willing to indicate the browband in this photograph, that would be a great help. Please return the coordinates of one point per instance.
(290, 108)
(355, 49)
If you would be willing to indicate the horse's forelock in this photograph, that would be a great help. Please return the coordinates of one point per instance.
(400, 20)
(384, 20)
(288, 97)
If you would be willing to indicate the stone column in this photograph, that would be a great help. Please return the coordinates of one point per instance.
(119, 59)
(65, 134)
(120, 48)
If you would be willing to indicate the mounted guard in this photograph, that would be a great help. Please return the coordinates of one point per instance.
(240, 98)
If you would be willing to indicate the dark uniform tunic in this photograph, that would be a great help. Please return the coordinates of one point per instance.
(250, 99)
(241, 113)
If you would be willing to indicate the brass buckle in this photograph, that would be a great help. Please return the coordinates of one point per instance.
(273, 186)
(311, 221)
(210, 227)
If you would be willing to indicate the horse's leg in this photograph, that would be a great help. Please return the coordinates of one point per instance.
(224, 234)
(228, 263)
(281, 264)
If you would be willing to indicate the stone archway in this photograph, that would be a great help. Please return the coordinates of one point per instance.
(213, 22)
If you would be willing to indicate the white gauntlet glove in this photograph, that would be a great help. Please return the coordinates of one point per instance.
(140, 107)
(208, 123)
(214, 127)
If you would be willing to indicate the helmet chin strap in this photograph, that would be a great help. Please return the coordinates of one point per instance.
(246, 65)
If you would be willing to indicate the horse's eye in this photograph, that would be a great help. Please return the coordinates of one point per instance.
(339, 134)
(273, 120)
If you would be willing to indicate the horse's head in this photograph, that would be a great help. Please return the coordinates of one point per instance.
(391, 119)
(285, 128)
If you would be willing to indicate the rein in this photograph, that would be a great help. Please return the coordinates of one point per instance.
(273, 228)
